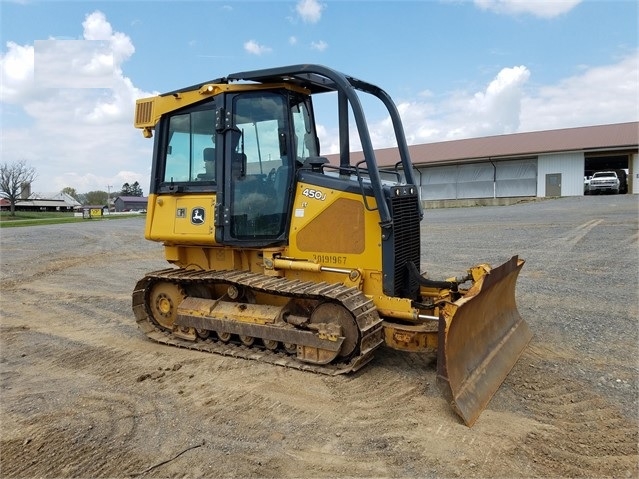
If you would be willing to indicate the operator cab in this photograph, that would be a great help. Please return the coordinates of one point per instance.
(243, 147)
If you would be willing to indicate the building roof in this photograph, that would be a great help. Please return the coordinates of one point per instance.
(619, 136)
(68, 199)
(133, 199)
(36, 203)
(49, 199)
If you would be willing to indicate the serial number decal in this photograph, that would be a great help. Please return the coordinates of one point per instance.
(329, 259)
(314, 194)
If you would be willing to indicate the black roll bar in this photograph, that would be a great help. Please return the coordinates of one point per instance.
(320, 79)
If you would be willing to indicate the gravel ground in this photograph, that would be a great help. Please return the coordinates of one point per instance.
(85, 394)
(579, 287)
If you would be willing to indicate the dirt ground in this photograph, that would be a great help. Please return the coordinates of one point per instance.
(84, 394)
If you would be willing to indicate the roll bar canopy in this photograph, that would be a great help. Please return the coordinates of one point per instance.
(321, 79)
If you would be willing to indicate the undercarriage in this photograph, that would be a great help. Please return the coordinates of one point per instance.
(325, 328)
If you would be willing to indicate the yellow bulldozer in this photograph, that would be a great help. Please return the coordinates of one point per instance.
(284, 257)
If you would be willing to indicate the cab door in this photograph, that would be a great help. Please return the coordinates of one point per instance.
(258, 169)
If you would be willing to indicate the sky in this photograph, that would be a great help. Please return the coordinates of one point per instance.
(70, 71)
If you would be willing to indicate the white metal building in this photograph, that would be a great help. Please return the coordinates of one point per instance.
(534, 164)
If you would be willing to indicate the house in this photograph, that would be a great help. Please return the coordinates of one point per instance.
(43, 202)
(130, 203)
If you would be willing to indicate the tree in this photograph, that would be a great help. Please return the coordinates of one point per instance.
(71, 192)
(131, 190)
(96, 198)
(136, 189)
(15, 182)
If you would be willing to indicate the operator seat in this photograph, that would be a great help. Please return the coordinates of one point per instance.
(209, 165)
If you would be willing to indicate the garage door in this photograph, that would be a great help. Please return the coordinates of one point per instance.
(480, 180)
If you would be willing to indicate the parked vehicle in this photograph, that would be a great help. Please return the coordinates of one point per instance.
(623, 181)
(604, 182)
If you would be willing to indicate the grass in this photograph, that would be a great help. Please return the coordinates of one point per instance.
(33, 218)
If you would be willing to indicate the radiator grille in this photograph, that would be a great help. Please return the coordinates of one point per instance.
(406, 243)
(143, 112)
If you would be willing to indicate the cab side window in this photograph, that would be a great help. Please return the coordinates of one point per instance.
(190, 153)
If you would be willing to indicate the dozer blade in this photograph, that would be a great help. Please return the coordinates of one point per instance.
(481, 337)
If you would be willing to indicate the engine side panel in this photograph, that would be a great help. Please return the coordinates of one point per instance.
(333, 228)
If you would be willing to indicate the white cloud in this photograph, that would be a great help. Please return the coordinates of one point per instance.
(78, 137)
(538, 8)
(319, 46)
(508, 104)
(497, 109)
(16, 68)
(96, 27)
(310, 10)
(600, 95)
(292, 40)
(462, 114)
(73, 64)
(255, 48)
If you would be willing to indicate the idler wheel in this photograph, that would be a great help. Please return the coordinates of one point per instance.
(335, 313)
(164, 299)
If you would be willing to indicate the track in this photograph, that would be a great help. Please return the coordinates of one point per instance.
(361, 307)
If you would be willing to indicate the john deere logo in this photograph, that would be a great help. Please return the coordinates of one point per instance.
(197, 216)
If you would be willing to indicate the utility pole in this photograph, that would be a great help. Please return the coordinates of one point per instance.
(109, 199)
